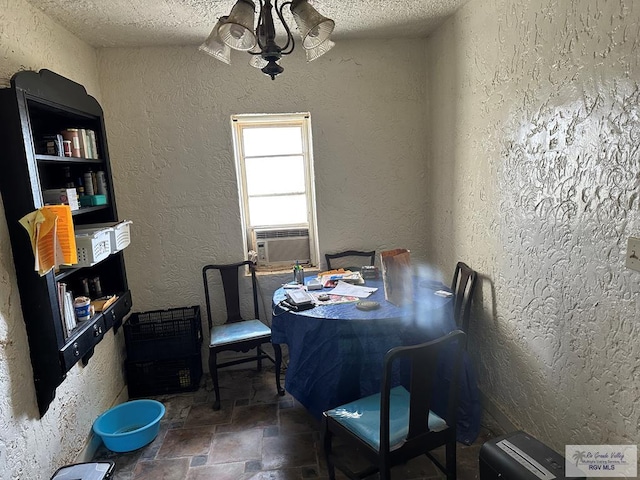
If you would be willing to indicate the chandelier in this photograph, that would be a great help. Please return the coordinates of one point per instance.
(236, 31)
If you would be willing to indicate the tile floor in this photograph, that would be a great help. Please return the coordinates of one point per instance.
(255, 435)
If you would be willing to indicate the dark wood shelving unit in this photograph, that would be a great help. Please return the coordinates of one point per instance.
(83, 210)
(38, 104)
(56, 159)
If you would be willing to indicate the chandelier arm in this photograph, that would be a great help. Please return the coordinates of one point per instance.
(258, 28)
(290, 40)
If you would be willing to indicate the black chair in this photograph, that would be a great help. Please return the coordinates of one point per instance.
(350, 259)
(237, 334)
(463, 286)
(396, 425)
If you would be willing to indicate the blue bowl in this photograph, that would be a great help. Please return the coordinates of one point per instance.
(130, 425)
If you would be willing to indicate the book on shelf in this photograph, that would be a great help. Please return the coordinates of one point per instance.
(62, 288)
(93, 144)
(84, 144)
(88, 143)
(52, 145)
(67, 312)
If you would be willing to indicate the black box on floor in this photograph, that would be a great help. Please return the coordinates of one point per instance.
(163, 334)
(519, 456)
(86, 471)
(169, 375)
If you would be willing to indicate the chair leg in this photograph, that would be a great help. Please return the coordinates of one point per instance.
(385, 473)
(383, 466)
(259, 357)
(450, 454)
(331, 470)
(213, 369)
(277, 349)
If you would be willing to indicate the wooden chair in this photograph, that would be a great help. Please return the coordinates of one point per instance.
(350, 259)
(463, 286)
(393, 426)
(237, 334)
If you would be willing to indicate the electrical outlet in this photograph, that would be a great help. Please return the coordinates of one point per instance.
(633, 253)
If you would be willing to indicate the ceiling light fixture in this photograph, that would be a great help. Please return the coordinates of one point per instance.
(236, 31)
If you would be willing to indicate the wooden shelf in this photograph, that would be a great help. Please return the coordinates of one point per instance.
(57, 159)
(35, 107)
(83, 210)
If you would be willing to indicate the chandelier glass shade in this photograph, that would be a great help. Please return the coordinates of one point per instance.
(316, 52)
(240, 31)
(214, 45)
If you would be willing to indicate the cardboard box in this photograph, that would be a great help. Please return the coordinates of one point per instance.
(61, 196)
(93, 200)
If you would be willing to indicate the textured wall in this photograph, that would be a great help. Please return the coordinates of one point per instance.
(535, 168)
(168, 110)
(533, 176)
(30, 447)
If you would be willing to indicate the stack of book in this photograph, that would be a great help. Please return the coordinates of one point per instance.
(331, 278)
(67, 312)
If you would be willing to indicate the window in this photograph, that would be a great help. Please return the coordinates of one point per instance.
(274, 166)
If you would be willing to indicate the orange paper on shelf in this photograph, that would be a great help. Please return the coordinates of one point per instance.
(47, 252)
(65, 234)
(396, 276)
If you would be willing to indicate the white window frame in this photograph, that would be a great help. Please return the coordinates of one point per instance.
(303, 120)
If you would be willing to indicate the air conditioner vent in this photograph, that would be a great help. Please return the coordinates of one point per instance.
(284, 233)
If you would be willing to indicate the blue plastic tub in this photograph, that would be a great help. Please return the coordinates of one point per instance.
(130, 425)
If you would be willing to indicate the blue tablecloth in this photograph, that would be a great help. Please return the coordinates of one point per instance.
(336, 351)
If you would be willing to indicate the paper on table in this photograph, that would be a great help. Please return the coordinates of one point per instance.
(443, 293)
(331, 280)
(347, 289)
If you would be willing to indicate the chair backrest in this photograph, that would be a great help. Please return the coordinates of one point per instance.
(229, 274)
(463, 286)
(424, 360)
(350, 259)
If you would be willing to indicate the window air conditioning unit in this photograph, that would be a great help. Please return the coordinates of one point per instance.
(281, 246)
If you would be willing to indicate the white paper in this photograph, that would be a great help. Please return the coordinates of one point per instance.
(444, 293)
(347, 289)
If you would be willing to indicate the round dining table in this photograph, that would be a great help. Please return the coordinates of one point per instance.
(336, 350)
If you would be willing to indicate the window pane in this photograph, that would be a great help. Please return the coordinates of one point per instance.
(266, 176)
(283, 210)
(272, 141)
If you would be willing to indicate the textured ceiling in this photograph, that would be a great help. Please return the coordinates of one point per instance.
(132, 23)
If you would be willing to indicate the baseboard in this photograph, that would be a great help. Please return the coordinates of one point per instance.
(93, 442)
(503, 422)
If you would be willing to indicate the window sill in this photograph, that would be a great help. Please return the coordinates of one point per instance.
(260, 271)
